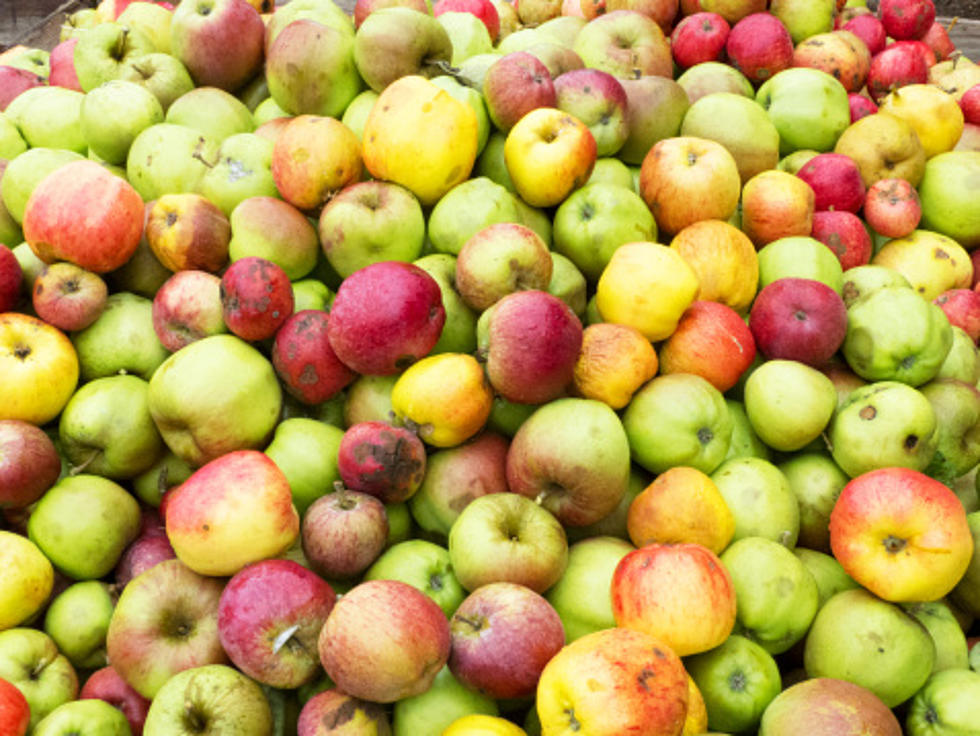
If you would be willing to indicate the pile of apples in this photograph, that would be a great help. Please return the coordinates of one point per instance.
(559, 367)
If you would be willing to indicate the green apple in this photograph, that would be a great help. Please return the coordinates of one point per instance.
(789, 403)
(858, 637)
(473, 70)
(966, 594)
(793, 162)
(270, 228)
(25, 172)
(962, 362)
(741, 125)
(709, 77)
(150, 18)
(470, 96)
(104, 49)
(949, 703)
(31, 662)
(49, 117)
(535, 218)
(459, 330)
(805, 18)
(306, 452)
(883, 424)
(423, 565)
(957, 408)
(216, 395)
(216, 695)
(776, 595)
(745, 442)
(106, 428)
(83, 523)
(168, 471)
(656, 106)
(401, 527)
(861, 281)
(562, 29)
(326, 12)
(800, 257)
(356, 113)
(946, 633)
(89, 717)
(267, 110)
(120, 340)
(827, 573)
(113, 114)
(466, 209)
(610, 170)
(369, 399)
(446, 700)
(506, 417)
(949, 197)
(568, 283)
(760, 499)
(78, 619)
(142, 274)
(490, 163)
(164, 75)
(214, 113)
(12, 143)
(243, 169)
(313, 294)
(581, 595)
(468, 34)
(816, 481)
(895, 334)
(808, 107)
(595, 220)
(27, 580)
(737, 681)
(678, 419)
(169, 159)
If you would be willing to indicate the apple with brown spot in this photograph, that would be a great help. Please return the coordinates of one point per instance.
(385, 461)
(68, 296)
(305, 361)
(256, 298)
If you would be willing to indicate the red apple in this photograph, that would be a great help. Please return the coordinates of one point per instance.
(188, 231)
(105, 238)
(599, 100)
(503, 634)
(900, 63)
(304, 360)
(836, 182)
(759, 46)
(798, 319)
(712, 341)
(860, 106)
(698, 38)
(385, 317)
(187, 307)
(824, 706)
(776, 204)
(10, 278)
(221, 42)
(62, 61)
(363, 8)
(906, 19)
(514, 85)
(901, 534)
(844, 233)
(485, 10)
(13, 81)
(256, 298)
(269, 619)
(892, 208)
(962, 309)
(15, 713)
(937, 38)
(143, 553)
(69, 297)
(869, 29)
(385, 461)
(343, 532)
(106, 684)
(970, 105)
(323, 710)
(29, 463)
(384, 640)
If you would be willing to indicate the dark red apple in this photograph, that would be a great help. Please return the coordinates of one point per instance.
(68, 296)
(256, 298)
(62, 61)
(906, 19)
(106, 684)
(759, 46)
(860, 106)
(485, 10)
(798, 319)
(385, 461)
(892, 208)
(970, 105)
(900, 63)
(343, 533)
(698, 38)
(844, 233)
(385, 317)
(937, 38)
(269, 620)
(13, 81)
(533, 340)
(29, 463)
(836, 182)
(304, 360)
(503, 634)
(187, 307)
(923, 49)
(869, 29)
(10, 278)
(962, 309)
(514, 85)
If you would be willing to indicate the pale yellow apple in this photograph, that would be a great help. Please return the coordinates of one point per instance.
(26, 581)
(933, 114)
(549, 154)
(38, 369)
(152, 19)
(931, 262)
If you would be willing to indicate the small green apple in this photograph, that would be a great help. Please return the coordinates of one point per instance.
(243, 169)
(120, 340)
(467, 208)
(809, 108)
(946, 633)
(446, 700)
(113, 114)
(827, 573)
(949, 703)
(306, 452)
(816, 480)
(789, 403)
(423, 565)
(760, 499)
(78, 619)
(214, 113)
(800, 257)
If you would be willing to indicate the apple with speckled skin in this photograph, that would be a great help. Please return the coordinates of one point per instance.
(256, 298)
(385, 461)
(304, 360)
(188, 308)
(269, 618)
(343, 532)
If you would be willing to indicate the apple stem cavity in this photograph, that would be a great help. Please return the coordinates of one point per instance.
(77, 469)
(894, 545)
(284, 636)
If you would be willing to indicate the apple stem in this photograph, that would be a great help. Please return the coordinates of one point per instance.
(120, 49)
(284, 636)
(199, 157)
(952, 23)
(76, 469)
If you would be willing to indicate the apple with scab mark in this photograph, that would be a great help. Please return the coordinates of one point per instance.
(256, 298)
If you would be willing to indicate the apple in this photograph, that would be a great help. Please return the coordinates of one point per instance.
(256, 298)
(164, 622)
(860, 106)
(344, 532)
(187, 307)
(10, 277)
(120, 340)
(836, 182)
(304, 360)
(825, 705)
(149, 548)
(31, 662)
(164, 75)
(186, 231)
(906, 19)
(384, 461)
(15, 82)
(892, 207)
(14, 709)
(625, 43)
(466, 209)
(501, 259)
(840, 53)
(68, 296)
(243, 169)
(947, 700)
(29, 463)
(131, 107)
(599, 100)
(269, 617)
(212, 694)
(485, 10)
(759, 46)
(961, 309)
(951, 648)
(446, 704)
(305, 450)
(795, 97)
(638, 684)
(655, 109)
(760, 498)
(384, 640)
(424, 565)
(77, 620)
(714, 76)
(99, 56)
(168, 159)
(25, 171)
(27, 588)
(505, 537)
(934, 115)
(845, 234)
(270, 228)
(196, 405)
(220, 41)
(775, 205)
(897, 65)
(698, 38)
(394, 42)
(946, 196)
(869, 28)
(798, 319)
(83, 715)
(333, 706)
(687, 179)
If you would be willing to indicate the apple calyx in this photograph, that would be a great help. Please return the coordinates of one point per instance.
(284, 636)
(894, 545)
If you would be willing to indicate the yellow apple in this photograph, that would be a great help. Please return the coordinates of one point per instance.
(39, 369)
(549, 154)
(933, 114)
(26, 581)
(932, 263)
